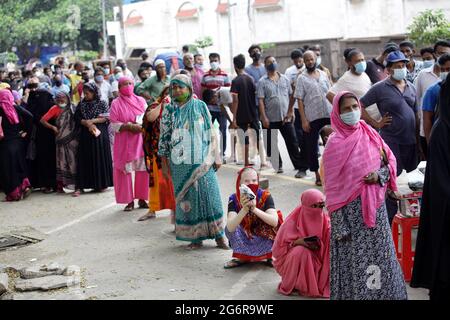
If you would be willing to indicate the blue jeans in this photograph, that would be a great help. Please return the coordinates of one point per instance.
(222, 119)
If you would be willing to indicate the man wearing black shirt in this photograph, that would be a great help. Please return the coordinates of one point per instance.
(376, 69)
(244, 104)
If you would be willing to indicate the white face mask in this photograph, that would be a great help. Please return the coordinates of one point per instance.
(443, 76)
(215, 66)
(62, 105)
(351, 118)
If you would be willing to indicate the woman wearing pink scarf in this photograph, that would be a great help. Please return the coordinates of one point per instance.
(128, 146)
(359, 168)
(304, 265)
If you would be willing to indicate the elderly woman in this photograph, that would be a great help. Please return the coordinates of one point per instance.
(252, 224)
(302, 249)
(189, 146)
(94, 163)
(358, 169)
(126, 120)
(13, 175)
(60, 119)
(161, 195)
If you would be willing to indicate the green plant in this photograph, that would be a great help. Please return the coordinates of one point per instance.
(205, 42)
(87, 55)
(428, 27)
(266, 46)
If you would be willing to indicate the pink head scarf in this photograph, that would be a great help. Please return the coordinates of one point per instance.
(127, 145)
(7, 104)
(352, 153)
(304, 222)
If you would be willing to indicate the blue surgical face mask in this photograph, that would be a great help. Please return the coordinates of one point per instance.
(443, 76)
(272, 67)
(215, 66)
(400, 74)
(428, 63)
(351, 118)
(361, 67)
(319, 61)
(99, 79)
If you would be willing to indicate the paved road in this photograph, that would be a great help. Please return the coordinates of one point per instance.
(123, 259)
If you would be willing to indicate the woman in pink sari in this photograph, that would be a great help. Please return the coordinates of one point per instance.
(301, 250)
(126, 110)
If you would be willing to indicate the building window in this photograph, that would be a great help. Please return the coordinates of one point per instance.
(134, 19)
(268, 4)
(222, 7)
(187, 11)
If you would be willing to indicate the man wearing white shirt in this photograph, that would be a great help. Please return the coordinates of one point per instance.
(103, 86)
(354, 80)
(292, 74)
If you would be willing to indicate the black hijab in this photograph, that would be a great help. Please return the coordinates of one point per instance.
(92, 109)
(432, 259)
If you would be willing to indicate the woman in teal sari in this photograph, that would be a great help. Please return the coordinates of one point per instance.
(188, 147)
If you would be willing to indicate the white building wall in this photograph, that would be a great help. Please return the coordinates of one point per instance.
(297, 20)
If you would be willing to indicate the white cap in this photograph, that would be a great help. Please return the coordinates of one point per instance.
(160, 61)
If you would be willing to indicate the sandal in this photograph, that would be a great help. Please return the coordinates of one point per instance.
(234, 263)
(26, 193)
(129, 207)
(143, 204)
(148, 216)
(269, 263)
(319, 183)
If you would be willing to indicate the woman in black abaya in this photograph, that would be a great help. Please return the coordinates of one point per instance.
(432, 260)
(94, 162)
(43, 166)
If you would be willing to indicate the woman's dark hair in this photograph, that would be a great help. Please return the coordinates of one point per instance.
(208, 95)
(348, 95)
(253, 47)
(141, 69)
(239, 62)
(267, 58)
(426, 50)
(444, 59)
(346, 52)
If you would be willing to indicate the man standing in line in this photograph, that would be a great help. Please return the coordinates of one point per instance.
(276, 110)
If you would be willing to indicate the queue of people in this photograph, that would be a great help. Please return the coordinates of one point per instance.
(154, 140)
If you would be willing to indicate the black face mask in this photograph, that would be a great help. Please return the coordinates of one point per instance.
(256, 56)
(58, 83)
(32, 86)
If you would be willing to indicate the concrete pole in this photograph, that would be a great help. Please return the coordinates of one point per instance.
(105, 36)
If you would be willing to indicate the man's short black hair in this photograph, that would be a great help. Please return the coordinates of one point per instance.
(346, 52)
(390, 47)
(267, 58)
(441, 43)
(352, 53)
(185, 48)
(197, 55)
(296, 54)
(253, 47)
(208, 95)
(239, 62)
(426, 50)
(145, 65)
(99, 69)
(444, 59)
(407, 44)
(214, 55)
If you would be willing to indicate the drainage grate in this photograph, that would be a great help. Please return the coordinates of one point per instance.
(7, 242)
(20, 238)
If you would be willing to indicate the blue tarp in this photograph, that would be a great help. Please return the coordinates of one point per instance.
(173, 61)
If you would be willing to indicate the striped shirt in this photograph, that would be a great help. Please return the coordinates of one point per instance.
(215, 81)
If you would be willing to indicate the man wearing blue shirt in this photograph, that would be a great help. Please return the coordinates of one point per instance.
(431, 97)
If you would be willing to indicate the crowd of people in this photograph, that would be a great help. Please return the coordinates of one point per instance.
(154, 139)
